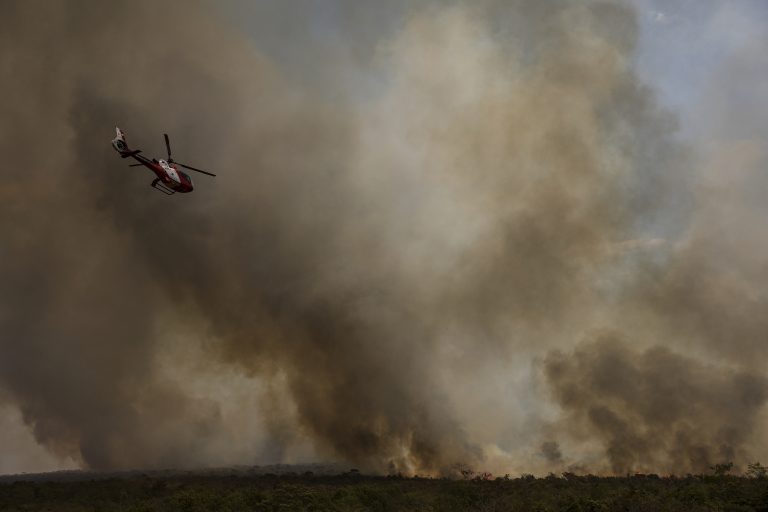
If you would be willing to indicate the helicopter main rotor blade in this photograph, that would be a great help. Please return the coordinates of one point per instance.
(194, 169)
(168, 147)
(136, 165)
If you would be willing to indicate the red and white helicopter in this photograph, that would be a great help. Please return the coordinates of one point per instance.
(169, 178)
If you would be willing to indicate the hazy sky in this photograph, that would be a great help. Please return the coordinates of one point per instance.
(682, 44)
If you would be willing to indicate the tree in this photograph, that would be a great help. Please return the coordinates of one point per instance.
(722, 469)
(756, 470)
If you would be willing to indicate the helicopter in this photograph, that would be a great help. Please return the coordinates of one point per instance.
(169, 178)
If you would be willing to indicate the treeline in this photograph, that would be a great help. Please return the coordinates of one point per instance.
(718, 491)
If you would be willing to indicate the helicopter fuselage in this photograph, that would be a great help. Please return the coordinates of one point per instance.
(170, 175)
(169, 178)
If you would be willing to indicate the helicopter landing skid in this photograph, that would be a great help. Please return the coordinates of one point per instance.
(157, 185)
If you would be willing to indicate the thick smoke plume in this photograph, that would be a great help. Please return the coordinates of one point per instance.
(656, 410)
(372, 274)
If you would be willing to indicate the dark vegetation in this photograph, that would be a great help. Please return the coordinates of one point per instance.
(354, 492)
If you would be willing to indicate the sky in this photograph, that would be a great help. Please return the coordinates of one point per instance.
(682, 44)
(521, 236)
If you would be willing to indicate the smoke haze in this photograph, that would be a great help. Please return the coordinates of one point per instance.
(469, 234)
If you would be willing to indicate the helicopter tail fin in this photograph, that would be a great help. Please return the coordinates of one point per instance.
(119, 142)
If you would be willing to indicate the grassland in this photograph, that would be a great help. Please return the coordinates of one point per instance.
(354, 492)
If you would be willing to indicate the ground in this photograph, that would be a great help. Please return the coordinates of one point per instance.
(240, 490)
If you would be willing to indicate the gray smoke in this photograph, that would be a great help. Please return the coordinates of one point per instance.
(342, 289)
(656, 410)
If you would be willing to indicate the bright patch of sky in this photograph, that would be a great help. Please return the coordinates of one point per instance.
(685, 44)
